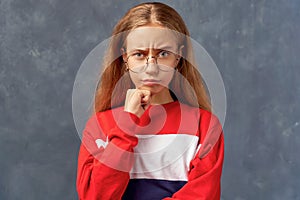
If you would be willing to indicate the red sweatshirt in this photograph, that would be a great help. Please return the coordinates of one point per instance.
(173, 151)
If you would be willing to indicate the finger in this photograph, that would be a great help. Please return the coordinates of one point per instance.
(146, 96)
(130, 93)
(145, 92)
(145, 99)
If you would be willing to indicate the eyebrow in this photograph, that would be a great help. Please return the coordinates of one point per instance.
(166, 48)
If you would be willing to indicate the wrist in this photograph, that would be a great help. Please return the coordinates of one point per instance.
(135, 111)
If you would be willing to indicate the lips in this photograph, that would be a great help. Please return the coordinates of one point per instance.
(150, 81)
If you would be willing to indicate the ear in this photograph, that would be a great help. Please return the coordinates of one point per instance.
(179, 53)
(180, 50)
(123, 53)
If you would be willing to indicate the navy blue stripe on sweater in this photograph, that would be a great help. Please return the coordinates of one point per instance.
(150, 189)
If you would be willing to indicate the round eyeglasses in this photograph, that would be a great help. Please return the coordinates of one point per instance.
(138, 62)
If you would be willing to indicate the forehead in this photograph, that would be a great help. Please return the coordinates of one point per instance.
(152, 37)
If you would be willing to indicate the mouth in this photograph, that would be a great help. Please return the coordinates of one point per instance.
(150, 82)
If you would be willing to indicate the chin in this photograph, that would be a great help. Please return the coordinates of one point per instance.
(154, 89)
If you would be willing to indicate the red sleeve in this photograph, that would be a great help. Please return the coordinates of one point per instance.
(204, 177)
(103, 168)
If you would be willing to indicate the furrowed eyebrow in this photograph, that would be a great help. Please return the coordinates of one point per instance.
(137, 51)
(155, 49)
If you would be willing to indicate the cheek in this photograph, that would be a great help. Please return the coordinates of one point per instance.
(166, 78)
(135, 78)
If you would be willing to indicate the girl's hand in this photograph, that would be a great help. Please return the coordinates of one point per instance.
(137, 101)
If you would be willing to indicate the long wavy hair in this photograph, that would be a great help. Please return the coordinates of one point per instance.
(115, 80)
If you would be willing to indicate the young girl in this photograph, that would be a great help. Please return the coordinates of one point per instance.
(146, 139)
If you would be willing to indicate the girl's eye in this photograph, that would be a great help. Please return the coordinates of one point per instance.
(164, 54)
(138, 55)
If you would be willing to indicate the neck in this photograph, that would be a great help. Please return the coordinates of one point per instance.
(162, 97)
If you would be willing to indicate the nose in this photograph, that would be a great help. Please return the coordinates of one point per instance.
(151, 58)
(151, 67)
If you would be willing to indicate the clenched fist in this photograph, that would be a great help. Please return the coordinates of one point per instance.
(137, 101)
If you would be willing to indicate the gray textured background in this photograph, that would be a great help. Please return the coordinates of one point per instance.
(254, 43)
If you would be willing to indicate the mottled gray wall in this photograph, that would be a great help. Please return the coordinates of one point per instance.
(254, 43)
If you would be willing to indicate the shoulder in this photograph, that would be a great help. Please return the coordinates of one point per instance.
(208, 118)
(205, 117)
(104, 120)
(109, 117)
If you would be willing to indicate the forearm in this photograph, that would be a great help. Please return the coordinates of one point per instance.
(204, 177)
(96, 181)
(103, 167)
